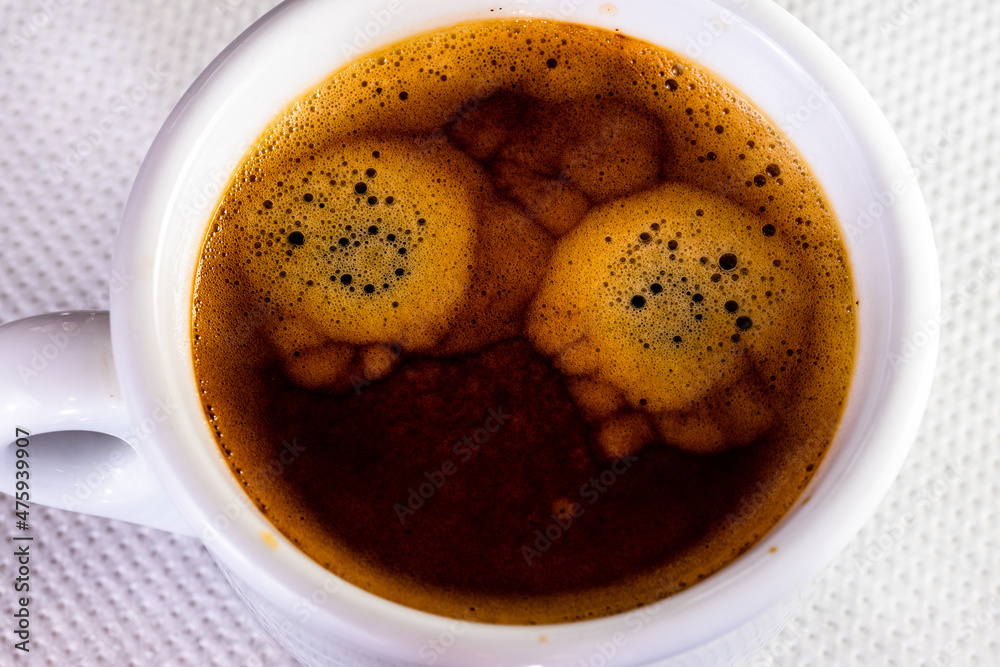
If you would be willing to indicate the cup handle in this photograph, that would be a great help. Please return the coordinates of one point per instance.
(59, 393)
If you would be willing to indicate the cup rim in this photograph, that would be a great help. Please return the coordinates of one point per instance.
(811, 535)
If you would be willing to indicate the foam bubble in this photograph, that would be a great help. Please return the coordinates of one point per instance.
(642, 312)
(381, 249)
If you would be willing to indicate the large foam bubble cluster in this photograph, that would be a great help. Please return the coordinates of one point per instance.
(379, 246)
(673, 303)
(357, 246)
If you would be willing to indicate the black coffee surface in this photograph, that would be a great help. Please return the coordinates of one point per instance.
(523, 322)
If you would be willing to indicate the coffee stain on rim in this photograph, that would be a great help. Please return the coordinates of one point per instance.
(269, 539)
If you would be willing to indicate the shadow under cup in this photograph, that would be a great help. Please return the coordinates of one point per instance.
(765, 55)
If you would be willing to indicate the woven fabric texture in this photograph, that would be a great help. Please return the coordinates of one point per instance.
(84, 87)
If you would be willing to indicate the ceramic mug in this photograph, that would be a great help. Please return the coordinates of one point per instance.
(130, 373)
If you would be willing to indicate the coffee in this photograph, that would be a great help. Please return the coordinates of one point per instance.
(523, 322)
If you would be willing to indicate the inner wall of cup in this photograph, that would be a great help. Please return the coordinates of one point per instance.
(714, 33)
(247, 93)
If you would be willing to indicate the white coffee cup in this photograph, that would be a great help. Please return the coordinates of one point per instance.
(131, 374)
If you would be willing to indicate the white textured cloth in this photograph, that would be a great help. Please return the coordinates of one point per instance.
(85, 86)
